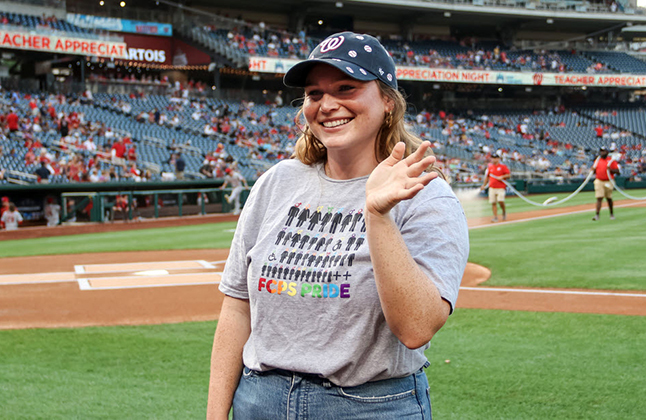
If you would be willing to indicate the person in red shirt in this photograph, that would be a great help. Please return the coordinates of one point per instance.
(12, 121)
(496, 173)
(605, 170)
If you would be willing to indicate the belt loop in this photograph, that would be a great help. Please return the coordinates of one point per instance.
(426, 365)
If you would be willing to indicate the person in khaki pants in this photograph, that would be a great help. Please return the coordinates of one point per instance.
(605, 168)
(496, 173)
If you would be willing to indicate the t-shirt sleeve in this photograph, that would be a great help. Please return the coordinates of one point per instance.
(505, 170)
(436, 234)
(234, 276)
(614, 165)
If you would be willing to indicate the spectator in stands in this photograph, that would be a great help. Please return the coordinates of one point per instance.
(43, 173)
(13, 121)
(494, 176)
(605, 170)
(350, 108)
(2, 172)
(89, 144)
(180, 165)
(11, 218)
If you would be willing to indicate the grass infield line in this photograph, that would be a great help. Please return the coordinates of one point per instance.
(548, 216)
(553, 292)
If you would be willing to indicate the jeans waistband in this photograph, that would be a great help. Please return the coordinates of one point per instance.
(308, 376)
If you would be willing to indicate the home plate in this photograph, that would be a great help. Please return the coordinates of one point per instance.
(151, 273)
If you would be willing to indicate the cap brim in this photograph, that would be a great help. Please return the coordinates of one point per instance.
(297, 75)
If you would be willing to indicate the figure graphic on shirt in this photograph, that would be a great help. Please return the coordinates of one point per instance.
(287, 238)
(303, 216)
(307, 275)
(293, 212)
(336, 219)
(350, 242)
(296, 238)
(357, 216)
(320, 243)
(328, 242)
(268, 270)
(284, 255)
(313, 241)
(311, 259)
(336, 260)
(280, 272)
(318, 276)
(291, 273)
(298, 258)
(291, 256)
(343, 259)
(346, 221)
(363, 225)
(325, 259)
(274, 271)
(316, 216)
(337, 245)
(297, 275)
(280, 236)
(272, 256)
(318, 260)
(350, 259)
(326, 218)
(304, 240)
(359, 242)
(264, 267)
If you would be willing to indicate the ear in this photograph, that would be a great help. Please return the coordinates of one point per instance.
(389, 104)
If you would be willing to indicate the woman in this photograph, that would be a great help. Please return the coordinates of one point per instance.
(346, 260)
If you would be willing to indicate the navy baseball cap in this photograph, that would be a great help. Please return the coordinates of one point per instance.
(360, 56)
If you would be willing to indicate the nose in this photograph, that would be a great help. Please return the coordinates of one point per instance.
(328, 103)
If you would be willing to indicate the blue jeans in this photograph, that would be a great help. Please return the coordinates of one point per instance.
(293, 396)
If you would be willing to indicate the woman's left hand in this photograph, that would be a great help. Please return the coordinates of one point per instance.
(396, 179)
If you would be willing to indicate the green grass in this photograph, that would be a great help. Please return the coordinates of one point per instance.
(209, 236)
(566, 251)
(479, 206)
(140, 372)
(504, 365)
(532, 365)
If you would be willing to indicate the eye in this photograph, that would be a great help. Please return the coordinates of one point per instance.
(313, 94)
(346, 88)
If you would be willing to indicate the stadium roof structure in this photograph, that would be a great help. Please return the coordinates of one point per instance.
(561, 16)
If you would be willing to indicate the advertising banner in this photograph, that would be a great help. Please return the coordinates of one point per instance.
(148, 49)
(62, 45)
(120, 25)
(426, 74)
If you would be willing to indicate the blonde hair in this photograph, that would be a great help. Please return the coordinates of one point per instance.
(310, 150)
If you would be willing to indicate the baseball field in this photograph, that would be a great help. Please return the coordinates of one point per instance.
(119, 324)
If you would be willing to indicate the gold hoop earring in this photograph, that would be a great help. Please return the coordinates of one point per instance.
(388, 121)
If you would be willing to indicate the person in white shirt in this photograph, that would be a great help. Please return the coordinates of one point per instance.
(52, 212)
(11, 218)
(89, 144)
(236, 180)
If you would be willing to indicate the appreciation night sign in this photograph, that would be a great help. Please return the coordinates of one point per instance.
(62, 45)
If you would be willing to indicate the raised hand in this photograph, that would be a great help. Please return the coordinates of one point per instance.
(396, 179)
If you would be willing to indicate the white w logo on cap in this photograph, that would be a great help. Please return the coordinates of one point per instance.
(331, 44)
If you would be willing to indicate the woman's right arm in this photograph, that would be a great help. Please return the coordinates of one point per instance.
(234, 327)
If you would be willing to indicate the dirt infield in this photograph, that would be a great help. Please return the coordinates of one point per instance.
(176, 286)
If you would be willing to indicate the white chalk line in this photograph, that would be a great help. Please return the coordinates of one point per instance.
(549, 216)
(554, 292)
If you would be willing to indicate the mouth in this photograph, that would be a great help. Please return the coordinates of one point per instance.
(336, 123)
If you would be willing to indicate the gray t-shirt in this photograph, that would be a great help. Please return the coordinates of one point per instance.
(301, 257)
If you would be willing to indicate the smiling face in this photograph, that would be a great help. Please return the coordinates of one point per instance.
(344, 114)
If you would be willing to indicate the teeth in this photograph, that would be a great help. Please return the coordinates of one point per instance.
(336, 123)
